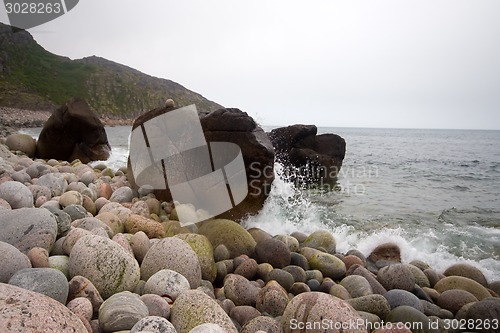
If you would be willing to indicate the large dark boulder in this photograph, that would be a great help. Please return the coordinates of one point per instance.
(308, 157)
(72, 132)
(235, 126)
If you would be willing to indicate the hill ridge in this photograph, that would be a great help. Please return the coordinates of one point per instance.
(33, 78)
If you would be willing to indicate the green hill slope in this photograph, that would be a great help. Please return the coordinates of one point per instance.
(35, 79)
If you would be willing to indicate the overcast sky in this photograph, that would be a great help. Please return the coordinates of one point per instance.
(373, 63)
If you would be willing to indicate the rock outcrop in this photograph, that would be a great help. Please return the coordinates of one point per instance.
(306, 156)
(228, 126)
(72, 132)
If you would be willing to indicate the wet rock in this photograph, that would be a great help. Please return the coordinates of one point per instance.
(291, 242)
(339, 291)
(47, 281)
(396, 276)
(468, 271)
(205, 253)
(350, 260)
(463, 283)
(194, 308)
(174, 254)
(110, 268)
(386, 251)
(321, 239)
(298, 259)
(240, 290)
(483, 311)
(153, 324)
(432, 276)
(12, 261)
(397, 297)
(26, 228)
(121, 311)
(317, 157)
(408, 314)
(272, 299)
(259, 234)
(262, 324)
(420, 278)
(221, 253)
(299, 288)
(298, 273)
(356, 285)
(27, 311)
(376, 304)
(273, 252)
(454, 299)
(157, 305)
(244, 313)
(16, 194)
(236, 239)
(329, 265)
(282, 277)
(247, 269)
(166, 283)
(319, 307)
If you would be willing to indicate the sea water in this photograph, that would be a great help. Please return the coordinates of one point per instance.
(436, 193)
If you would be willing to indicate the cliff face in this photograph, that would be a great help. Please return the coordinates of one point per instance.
(35, 79)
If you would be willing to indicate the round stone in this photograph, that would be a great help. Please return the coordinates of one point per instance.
(174, 254)
(105, 263)
(16, 194)
(12, 261)
(166, 283)
(48, 281)
(121, 311)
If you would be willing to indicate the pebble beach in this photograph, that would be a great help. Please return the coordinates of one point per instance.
(81, 251)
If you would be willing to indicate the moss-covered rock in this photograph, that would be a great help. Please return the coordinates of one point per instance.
(237, 240)
(205, 252)
(329, 265)
(194, 308)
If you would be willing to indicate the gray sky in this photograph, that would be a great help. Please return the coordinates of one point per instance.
(373, 63)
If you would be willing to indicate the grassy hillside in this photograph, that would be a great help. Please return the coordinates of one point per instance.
(35, 79)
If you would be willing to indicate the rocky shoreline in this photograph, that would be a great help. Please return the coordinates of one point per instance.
(82, 251)
(13, 119)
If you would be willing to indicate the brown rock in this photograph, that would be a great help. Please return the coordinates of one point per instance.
(72, 132)
(234, 126)
(386, 251)
(39, 257)
(314, 307)
(459, 282)
(396, 276)
(273, 252)
(151, 228)
(467, 271)
(454, 299)
(243, 314)
(272, 299)
(318, 157)
(240, 290)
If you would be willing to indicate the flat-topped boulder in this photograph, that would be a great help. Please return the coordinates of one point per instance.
(73, 131)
